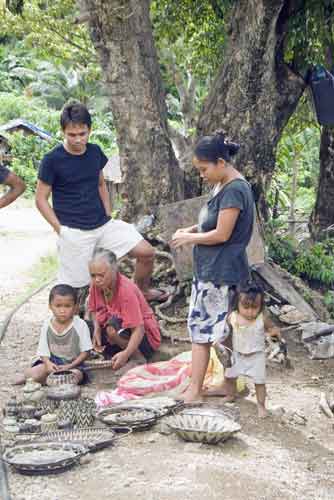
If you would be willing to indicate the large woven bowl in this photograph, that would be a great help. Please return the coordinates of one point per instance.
(44, 458)
(204, 428)
(135, 417)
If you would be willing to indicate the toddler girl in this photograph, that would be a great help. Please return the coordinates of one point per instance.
(248, 324)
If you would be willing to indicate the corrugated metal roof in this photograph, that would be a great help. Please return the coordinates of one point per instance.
(19, 122)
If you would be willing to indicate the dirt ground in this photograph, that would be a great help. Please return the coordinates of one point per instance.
(272, 459)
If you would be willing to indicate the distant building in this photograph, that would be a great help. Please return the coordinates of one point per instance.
(16, 126)
(26, 127)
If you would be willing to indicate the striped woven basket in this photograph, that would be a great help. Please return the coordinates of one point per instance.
(99, 370)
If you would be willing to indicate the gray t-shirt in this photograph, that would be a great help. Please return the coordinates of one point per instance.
(67, 345)
(226, 263)
(4, 172)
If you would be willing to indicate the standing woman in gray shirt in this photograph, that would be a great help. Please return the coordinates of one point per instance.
(219, 257)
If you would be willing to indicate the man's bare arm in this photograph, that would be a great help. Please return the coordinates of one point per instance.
(104, 194)
(16, 188)
(43, 192)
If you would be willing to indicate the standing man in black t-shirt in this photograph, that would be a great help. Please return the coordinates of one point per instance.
(15, 184)
(80, 211)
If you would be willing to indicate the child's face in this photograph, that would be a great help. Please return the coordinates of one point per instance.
(249, 309)
(76, 136)
(63, 308)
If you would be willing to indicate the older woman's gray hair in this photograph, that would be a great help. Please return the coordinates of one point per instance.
(103, 253)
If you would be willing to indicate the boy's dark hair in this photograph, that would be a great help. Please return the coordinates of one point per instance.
(214, 147)
(63, 291)
(77, 113)
(250, 290)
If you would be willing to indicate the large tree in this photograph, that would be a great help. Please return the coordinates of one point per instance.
(262, 47)
(255, 91)
(122, 35)
(254, 94)
(322, 218)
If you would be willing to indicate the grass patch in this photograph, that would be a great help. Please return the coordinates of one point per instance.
(42, 272)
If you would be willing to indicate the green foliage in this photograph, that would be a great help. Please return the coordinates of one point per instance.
(314, 264)
(48, 27)
(32, 109)
(27, 152)
(329, 301)
(310, 30)
(195, 30)
(43, 272)
(298, 148)
(281, 248)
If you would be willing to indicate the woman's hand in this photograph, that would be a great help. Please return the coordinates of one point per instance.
(118, 360)
(180, 238)
(190, 229)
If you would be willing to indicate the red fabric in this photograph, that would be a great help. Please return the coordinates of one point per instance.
(129, 304)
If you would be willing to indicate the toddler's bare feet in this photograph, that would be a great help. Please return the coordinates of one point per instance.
(262, 412)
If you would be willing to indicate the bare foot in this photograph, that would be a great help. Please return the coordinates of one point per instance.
(218, 391)
(262, 412)
(156, 295)
(191, 395)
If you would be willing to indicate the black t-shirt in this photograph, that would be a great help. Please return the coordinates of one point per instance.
(4, 172)
(226, 263)
(75, 180)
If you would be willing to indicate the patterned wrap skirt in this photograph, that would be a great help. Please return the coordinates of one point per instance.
(207, 311)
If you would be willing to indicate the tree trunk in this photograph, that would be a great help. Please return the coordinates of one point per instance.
(292, 211)
(122, 35)
(323, 214)
(255, 92)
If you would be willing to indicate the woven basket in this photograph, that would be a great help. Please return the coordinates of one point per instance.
(99, 371)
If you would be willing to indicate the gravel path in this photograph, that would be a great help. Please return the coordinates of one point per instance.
(269, 460)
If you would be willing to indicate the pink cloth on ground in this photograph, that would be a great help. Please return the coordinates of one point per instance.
(171, 377)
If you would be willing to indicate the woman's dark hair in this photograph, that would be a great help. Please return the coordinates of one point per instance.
(213, 147)
(77, 113)
(63, 291)
(249, 293)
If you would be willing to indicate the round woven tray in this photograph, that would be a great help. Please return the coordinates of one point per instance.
(44, 458)
(135, 417)
(93, 438)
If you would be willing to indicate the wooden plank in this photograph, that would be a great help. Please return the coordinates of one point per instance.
(280, 283)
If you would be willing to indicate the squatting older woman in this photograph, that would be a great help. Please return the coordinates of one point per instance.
(124, 323)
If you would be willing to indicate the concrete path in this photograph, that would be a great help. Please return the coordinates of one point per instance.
(24, 238)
